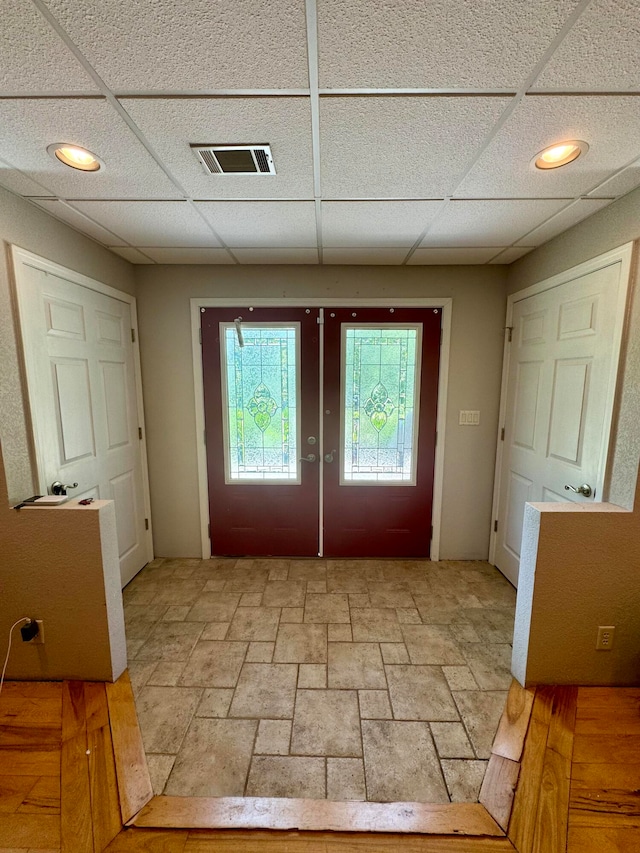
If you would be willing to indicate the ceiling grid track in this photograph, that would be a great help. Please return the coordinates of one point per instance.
(311, 13)
(507, 113)
(478, 212)
(106, 92)
(124, 244)
(124, 115)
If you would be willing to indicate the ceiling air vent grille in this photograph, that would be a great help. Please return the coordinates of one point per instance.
(235, 159)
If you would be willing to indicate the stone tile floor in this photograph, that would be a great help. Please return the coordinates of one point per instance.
(379, 680)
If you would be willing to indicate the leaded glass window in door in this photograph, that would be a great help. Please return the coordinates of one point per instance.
(260, 392)
(380, 384)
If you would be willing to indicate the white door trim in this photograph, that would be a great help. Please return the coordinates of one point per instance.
(445, 303)
(623, 256)
(20, 259)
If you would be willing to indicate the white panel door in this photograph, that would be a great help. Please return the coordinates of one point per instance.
(559, 389)
(81, 376)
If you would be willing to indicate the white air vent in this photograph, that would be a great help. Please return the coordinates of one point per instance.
(235, 159)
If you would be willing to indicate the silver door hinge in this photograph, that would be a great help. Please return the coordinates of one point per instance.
(146, 524)
(320, 320)
(510, 330)
(133, 336)
(140, 433)
(502, 434)
(495, 526)
(209, 530)
(200, 333)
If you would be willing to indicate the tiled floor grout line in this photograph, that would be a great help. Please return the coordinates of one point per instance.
(253, 755)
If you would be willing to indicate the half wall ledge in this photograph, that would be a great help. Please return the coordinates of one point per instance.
(60, 564)
(579, 569)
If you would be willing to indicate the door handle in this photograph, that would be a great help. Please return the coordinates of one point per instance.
(328, 457)
(310, 457)
(585, 489)
(59, 488)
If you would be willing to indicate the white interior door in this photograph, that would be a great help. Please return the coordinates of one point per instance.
(81, 378)
(561, 380)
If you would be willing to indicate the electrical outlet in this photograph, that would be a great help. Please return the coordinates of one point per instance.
(606, 634)
(39, 638)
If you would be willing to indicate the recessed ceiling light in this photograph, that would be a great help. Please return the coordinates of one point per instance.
(74, 156)
(560, 154)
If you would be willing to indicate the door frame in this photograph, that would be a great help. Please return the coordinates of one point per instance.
(22, 258)
(445, 303)
(623, 256)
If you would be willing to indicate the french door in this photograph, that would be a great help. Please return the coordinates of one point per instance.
(320, 429)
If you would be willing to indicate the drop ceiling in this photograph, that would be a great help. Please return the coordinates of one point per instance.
(402, 132)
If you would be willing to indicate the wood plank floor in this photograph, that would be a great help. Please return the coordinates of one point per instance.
(564, 777)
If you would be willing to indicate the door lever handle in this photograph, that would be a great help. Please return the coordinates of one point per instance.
(585, 489)
(59, 488)
(310, 457)
(328, 457)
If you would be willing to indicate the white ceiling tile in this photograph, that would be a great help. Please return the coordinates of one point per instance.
(443, 43)
(82, 223)
(451, 256)
(28, 43)
(131, 255)
(578, 211)
(620, 184)
(611, 126)
(272, 224)
(513, 253)
(171, 125)
(600, 53)
(400, 147)
(19, 183)
(364, 256)
(197, 45)
(189, 256)
(375, 223)
(276, 256)
(151, 223)
(489, 223)
(30, 125)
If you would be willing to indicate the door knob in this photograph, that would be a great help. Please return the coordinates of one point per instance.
(59, 488)
(328, 457)
(585, 489)
(310, 457)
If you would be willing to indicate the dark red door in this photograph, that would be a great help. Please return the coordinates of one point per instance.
(261, 415)
(265, 452)
(380, 399)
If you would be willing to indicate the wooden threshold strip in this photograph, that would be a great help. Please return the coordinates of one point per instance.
(200, 841)
(466, 819)
(134, 782)
(499, 784)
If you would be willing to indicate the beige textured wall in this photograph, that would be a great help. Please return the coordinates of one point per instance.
(476, 355)
(26, 226)
(60, 564)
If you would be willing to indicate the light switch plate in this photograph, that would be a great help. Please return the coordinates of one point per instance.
(469, 418)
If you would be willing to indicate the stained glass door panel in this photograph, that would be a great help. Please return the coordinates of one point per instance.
(380, 396)
(380, 403)
(260, 370)
(260, 390)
